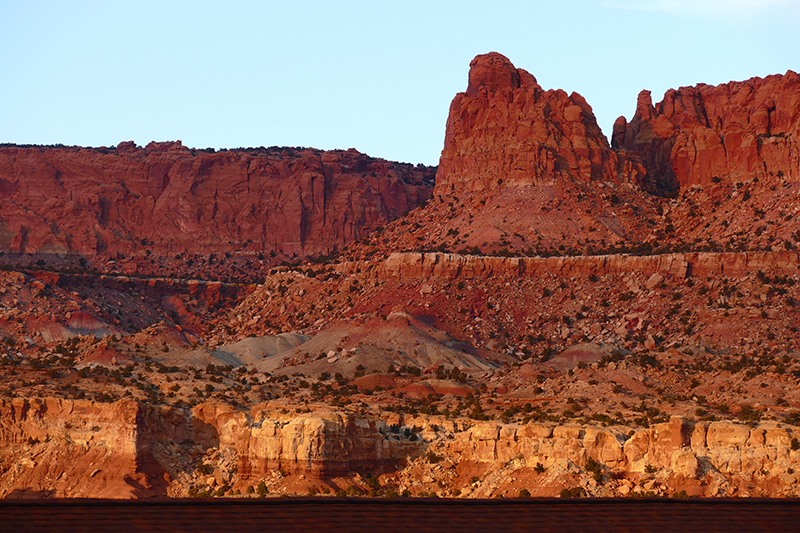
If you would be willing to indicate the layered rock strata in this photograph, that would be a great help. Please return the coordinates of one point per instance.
(736, 131)
(716, 456)
(75, 448)
(170, 199)
(412, 265)
(71, 448)
(506, 130)
(324, 443)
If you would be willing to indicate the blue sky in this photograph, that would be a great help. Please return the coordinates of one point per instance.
(375, 76)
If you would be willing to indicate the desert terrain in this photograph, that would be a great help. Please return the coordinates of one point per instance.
(546, 313)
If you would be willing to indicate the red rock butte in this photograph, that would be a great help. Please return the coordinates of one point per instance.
(505, 129)
(171, 199)
(735, 131)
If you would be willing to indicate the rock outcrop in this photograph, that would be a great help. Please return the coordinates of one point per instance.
(322, 443)
(506, 130)
(76, 448)
(411, 265)
(72, 448)
(170, 199)
(720, 457)
(737, 131)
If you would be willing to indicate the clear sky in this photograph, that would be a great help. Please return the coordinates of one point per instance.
(377, 76)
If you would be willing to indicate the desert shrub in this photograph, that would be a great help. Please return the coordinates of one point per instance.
(574, 492)
(595, 468)
(748, 414)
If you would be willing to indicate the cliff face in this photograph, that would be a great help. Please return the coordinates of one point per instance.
(703, 458)
(65, 448)
(678, 265)
(505, 129)
(70, 448)
(324, 443)
(736, 131)
(76, 448)
(168, 198)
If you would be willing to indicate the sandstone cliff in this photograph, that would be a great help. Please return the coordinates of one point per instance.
(325, 443)
(75, 448)
(736, 131)
(704, 458)
(505, 129)
(126, 450)
(169, 199)
(679, 265)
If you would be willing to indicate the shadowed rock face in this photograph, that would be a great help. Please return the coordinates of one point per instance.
(735, 131)
(64, 448)
(169, 199)
(505, 129)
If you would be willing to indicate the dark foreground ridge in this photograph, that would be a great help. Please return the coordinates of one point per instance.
(341, 514)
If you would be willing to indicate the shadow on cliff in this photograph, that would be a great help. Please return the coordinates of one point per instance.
(203, 433)
(28, 494)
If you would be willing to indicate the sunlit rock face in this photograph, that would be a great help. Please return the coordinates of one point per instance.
(505, 130)
(736, 132)
(168, 199)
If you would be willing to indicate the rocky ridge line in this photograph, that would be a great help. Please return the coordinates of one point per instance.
(737, 131)
(701, 458)
(169, 199)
